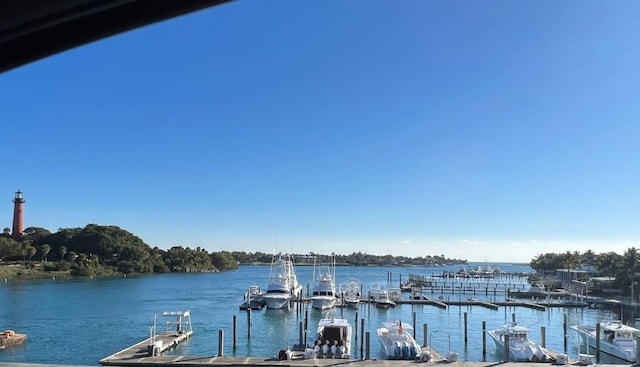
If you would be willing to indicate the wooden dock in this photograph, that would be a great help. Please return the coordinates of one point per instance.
(150, 347)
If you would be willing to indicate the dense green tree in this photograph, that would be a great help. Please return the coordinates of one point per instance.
(36, 235)
(223, 260)
(9, 248)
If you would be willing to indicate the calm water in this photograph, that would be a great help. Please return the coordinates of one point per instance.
(82, 321)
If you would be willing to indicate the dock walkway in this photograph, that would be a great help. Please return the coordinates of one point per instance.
(137, 352)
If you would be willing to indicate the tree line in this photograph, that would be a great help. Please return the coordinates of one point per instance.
(103, 250)
(624, 269)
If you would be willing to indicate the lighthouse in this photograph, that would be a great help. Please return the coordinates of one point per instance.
(18, 216)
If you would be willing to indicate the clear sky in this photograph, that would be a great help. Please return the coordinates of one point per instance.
(483, 130)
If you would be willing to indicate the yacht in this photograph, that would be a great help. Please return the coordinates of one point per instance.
(324, 295)
(283, 283)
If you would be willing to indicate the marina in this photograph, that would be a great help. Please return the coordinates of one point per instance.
(452, 323)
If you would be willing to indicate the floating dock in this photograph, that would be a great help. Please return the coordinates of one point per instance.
(150, 347)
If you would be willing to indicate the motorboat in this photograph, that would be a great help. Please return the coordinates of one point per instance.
(283, 283)
(9, 338)
(521, 348)
(324, 295)
(395, 294)
(333, 339)
(536, 288)
(397, 341)
(383, 300)
(616, 338)
(253, 298)
(351, 294)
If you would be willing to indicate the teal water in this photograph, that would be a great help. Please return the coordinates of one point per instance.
(80, 321)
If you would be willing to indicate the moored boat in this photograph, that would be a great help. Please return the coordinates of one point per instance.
(324, 295)
(253, 298)
(283, 283)
(333, 339)
(383, 300)
(9, 338)
(351, 294)
(521, 348)
(397, 341)
(616, 338)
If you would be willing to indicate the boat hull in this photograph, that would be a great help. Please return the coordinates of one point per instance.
(520, 351)
(588, 337)
(323, 303)
(276, 303)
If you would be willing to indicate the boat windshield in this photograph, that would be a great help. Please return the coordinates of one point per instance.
(624, 335)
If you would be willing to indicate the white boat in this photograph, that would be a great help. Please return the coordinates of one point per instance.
(333, 339)
(397, 341)
(253, 298)
(521, 348)
(383, 300)
(616, 339)
(324, 295)
(283, 283)
(351, 295)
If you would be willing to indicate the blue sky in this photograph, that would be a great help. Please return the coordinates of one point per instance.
(484, 130)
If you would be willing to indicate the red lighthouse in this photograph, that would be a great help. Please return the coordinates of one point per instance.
(18, 218)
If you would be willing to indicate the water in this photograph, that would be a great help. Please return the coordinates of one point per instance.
(82, 321)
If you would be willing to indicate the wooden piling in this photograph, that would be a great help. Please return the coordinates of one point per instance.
(361, 333)
(414, 325)
(368, 338)
(506, 347)
(564, 330)
(235, 324)
(356, 328)
(484, 339)
(301, 337)
(425, 339)
(465, 328)
(220, 343)
(249, 323)
(597, 343)
(543, 337)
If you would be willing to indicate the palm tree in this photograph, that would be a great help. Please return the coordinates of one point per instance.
(63, 251)
(45, 251)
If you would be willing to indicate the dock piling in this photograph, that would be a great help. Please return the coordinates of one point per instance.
(484, 340)
(424, 335)
(543, 337)
(235, 324)
(249, 323)
(220, 343)
(368, 338)
(414, 325)
(564, 330)
(361, 333)
(465, 328)
(506, 347)
(356, 324)
(597, 343)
